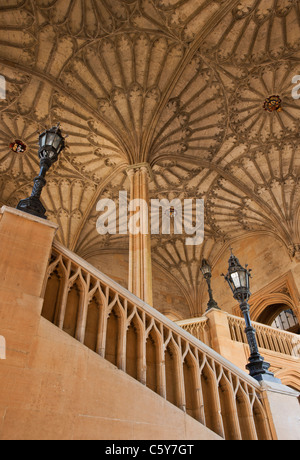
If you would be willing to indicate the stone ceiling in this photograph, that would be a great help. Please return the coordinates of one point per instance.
(179, 84)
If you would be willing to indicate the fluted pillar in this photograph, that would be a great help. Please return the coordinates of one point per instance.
(140, 263)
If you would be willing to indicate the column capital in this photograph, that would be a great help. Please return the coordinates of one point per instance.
(140, 167)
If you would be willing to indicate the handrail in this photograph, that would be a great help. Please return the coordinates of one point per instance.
(155, 313)
(141, 341)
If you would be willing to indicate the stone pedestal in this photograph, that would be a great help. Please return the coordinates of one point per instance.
(283, 405)
(25, 246)
(221, 340)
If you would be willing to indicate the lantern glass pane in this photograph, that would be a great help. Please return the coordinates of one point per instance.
(43, 140)
(56, 142)
(236, 280)
(50, 138)
(205, 268)
(243, 279)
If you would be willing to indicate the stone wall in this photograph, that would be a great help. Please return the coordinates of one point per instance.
(59, 389)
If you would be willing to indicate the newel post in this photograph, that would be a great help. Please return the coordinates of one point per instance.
(25, 248)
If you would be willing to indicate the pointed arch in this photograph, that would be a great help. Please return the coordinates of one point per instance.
(191, 385)
(172, 364)
(228, 409)
(75, 305)
(115, 334)
(135, 353)
(154, 360)
(290, 378)
(260, 420)
(54, 288)
(211, 402)
(245, 415)
(95, 320)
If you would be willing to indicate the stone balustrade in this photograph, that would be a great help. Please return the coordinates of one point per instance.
(268, 338)
(225, 333)
(198, 327)
(158, 353)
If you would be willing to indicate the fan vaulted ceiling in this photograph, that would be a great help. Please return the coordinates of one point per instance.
(179, 84)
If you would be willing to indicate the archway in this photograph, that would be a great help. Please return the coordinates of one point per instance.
(280, 316)
(276, 309)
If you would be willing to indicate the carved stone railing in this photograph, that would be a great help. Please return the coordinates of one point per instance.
(268, 338)
(198, 327)
(139, 340)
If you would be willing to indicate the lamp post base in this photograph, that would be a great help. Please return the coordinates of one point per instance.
(257, 366)
(259, 369)
(32, 206)
(212, 304)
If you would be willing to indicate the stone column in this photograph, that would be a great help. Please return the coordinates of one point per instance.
(140, 262)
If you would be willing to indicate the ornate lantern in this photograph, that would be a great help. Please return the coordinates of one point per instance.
(51, 144)
(206, 271)
(238, 279)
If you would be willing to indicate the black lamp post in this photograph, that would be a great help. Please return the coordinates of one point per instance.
(238, 279)
(206, 271)
(51, 144)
